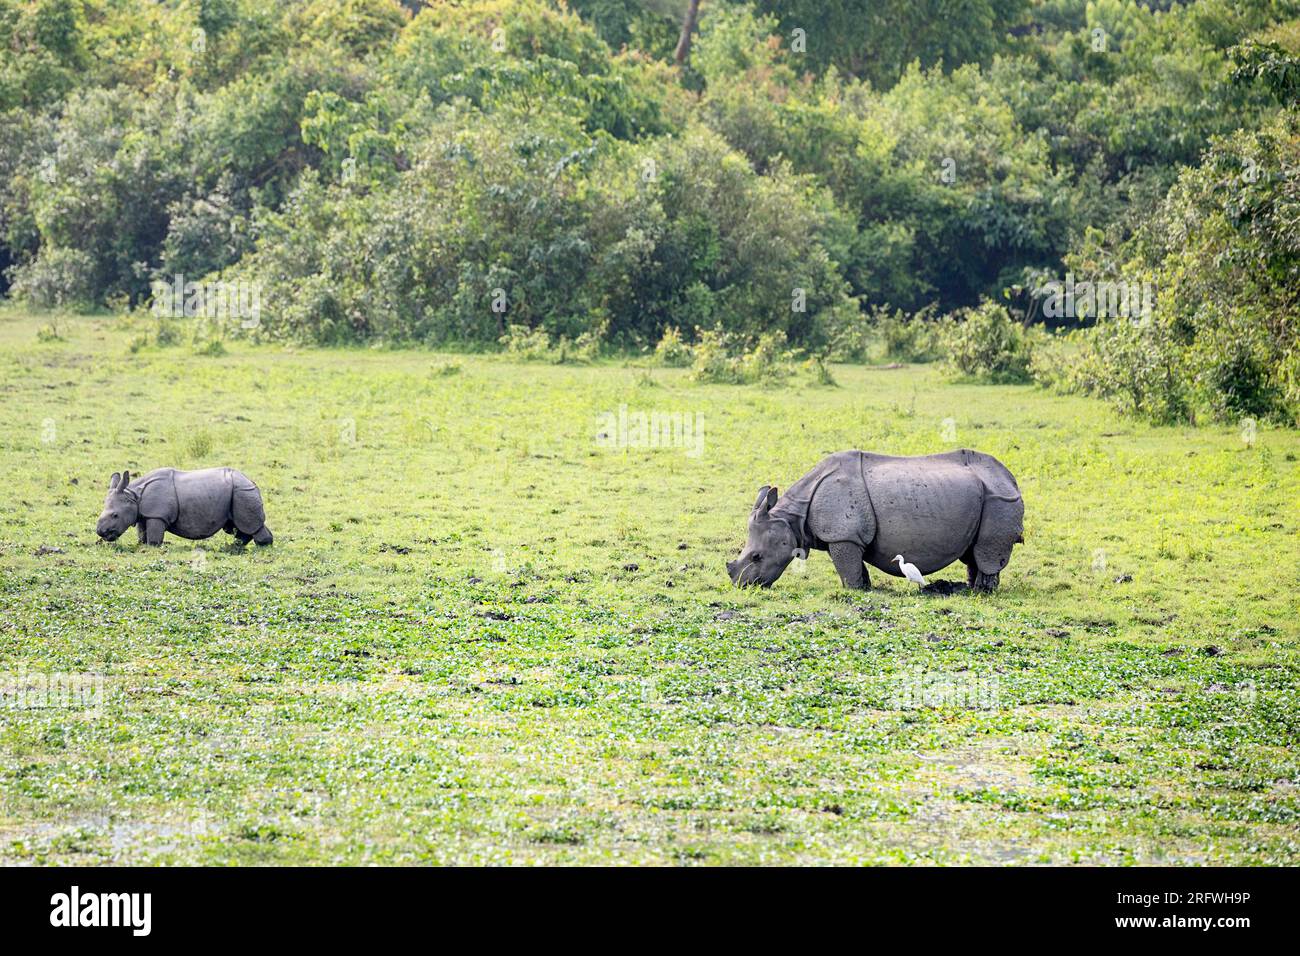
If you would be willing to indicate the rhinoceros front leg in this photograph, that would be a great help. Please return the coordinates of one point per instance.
(979, 581)
(847, 558)
(153, 531)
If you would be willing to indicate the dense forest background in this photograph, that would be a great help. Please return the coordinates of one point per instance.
(817, 176)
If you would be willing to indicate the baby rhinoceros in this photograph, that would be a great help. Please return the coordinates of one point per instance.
(868, 509)
(189, 504)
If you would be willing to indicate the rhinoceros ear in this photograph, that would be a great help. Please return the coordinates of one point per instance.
(114, 480)
(126, 478)
(766, 498)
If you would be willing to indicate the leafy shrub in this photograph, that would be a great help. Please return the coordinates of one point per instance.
(1135, 366)
(487, 216)
(536, 345)
(715, 359)
(45, 52)
(509, 209)
(58, 277)
(521, 342)
(591, 343)
(211, 347)
(849, 335)
(769, 362)
(986, 344)
(49, 332)
(166, 332)
(204, 234)
(817, 371)
(121, 158)
(672, 351)
(26, 142)
(1222, 252)
(907, 338)
(632, 22)
(508, 54)
(1055, 359)
(359, 25)
(685, 232)
(879, 43)
(948, 191)
(721, 357)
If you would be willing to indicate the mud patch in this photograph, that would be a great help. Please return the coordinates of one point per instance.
(945, 588)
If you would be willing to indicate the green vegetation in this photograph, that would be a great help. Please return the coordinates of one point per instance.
(1225, 336)
(988, 345)
(478, 171)
(495, 627)
(484, 635)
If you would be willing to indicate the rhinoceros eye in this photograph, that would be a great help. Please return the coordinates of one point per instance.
(114, 514)
(757, 558)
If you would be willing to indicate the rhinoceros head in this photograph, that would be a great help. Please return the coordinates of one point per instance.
(121, 508)
(769, 546)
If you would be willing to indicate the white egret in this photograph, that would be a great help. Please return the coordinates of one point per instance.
(910, 571)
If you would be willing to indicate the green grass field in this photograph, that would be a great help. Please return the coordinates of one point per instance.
(482, 636)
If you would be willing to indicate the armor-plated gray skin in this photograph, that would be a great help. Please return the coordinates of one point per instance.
(189, 504)
(865, 508)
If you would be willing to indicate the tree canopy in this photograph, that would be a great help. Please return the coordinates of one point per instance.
(391, 170)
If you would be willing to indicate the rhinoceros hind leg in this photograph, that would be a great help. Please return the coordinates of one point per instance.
(246, 512)
(1001, 528)
(262, 537)
(847, 558)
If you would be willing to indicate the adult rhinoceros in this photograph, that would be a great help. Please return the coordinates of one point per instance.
(866, 509)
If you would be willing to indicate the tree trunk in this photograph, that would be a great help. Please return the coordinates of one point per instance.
(688, 27)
